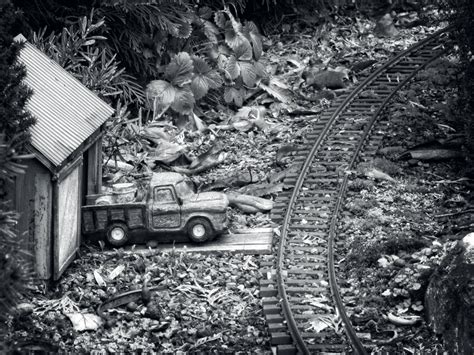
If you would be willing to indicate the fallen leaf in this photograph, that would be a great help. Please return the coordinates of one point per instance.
(84, 321)
(117, 271)
(167, 152)
(99, 279)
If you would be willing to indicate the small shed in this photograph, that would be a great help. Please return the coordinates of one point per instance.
(66, 141)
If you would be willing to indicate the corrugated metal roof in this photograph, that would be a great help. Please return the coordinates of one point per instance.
(67, 112)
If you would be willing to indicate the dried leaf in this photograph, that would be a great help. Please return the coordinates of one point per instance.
(167, 152)
(84, 321)
(116, 272)
(99, 279)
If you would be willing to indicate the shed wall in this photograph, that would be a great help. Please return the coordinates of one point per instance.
(33, 200)
(67, 233)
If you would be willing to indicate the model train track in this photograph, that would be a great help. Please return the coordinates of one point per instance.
(302, 302)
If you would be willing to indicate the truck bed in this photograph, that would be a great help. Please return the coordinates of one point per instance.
(96, 218)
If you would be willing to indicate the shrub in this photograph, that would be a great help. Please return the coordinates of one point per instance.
(80, 50)
(15, 272)
(231, 54)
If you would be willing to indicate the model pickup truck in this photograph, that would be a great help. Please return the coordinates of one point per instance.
(170, 205)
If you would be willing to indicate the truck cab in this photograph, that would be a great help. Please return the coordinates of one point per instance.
(170, 205)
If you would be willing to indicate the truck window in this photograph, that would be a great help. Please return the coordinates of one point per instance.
(163, 195)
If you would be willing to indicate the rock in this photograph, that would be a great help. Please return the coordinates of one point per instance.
(132, 306)
(330, 79)
(152, 244)
(146, 294)
(399, 262)
(413, 162)
(391, 151)
(153, 311)
(385, 27)
(139, 266)
(450, 296)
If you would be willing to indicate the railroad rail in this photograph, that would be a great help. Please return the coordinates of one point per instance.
(300, 290)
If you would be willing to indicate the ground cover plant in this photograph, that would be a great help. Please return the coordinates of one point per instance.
(241, 140)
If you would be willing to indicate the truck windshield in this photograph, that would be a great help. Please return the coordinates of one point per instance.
(185, 188)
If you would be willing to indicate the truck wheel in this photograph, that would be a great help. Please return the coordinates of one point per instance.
(200, 230)
(117, 234)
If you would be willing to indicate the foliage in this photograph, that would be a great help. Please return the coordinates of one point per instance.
(138, 31)
(15, 274)
(231, 52)
(464, 22)
(79, 49)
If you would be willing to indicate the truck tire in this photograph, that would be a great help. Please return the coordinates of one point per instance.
(200, 230)
(117, 234)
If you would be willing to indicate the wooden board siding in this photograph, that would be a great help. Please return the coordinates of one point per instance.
(42, 224)
(25, 198)
(31, 194)
(93, 168)
(67, 232)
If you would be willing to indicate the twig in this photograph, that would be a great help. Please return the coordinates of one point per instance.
(454, 213)
(458, 181)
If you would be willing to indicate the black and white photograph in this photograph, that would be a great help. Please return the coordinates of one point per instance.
(270, 177)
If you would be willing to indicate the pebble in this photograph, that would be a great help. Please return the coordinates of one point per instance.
(152, 244)
(132, 306)
(399, 262)
(413, 162)
(422, 267)
(101, 294)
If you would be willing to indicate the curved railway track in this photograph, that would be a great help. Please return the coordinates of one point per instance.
(300, 291)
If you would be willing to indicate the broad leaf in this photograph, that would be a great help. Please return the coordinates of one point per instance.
(155, 133)
(232, 68)
(179, 70)
(252, 31)
(200, 65)
(219, 19)
(161, 92)
(243, 51)
(184, 101)
(205, 12)
(236, 25)
(238, 43)
(214, 79)
(260, 70)
(276, 92)
(232, 94)
(183, 30)
(248, 72)
(205, 78)
(199, 86)
(211, 31)
(167, 152)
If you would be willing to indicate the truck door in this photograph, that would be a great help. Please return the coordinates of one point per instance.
(165, 209)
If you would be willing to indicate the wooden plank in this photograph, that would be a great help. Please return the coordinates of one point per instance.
(250, 241)
(93, 165)
(42, 225)
(67, 238)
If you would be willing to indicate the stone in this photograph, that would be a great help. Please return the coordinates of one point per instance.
(385, 26)
(449, 298)
(153, 311)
